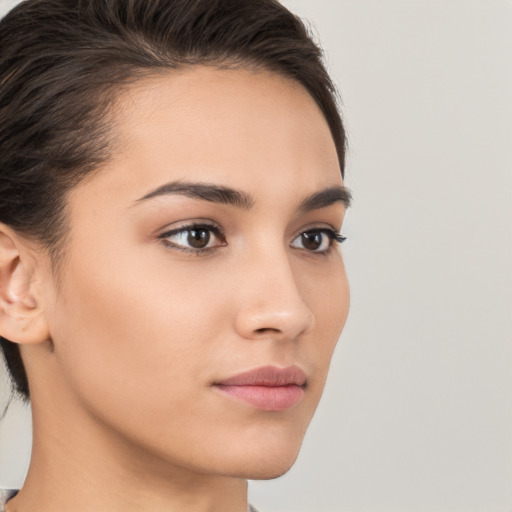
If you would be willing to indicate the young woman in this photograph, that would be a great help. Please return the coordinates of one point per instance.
(171, 288)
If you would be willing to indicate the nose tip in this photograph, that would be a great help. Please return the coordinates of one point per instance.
(277, 311)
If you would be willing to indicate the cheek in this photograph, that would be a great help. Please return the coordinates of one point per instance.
(128, 331)
(329, 297)
(138, 339)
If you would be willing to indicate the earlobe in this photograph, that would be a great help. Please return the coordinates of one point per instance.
(21, 313)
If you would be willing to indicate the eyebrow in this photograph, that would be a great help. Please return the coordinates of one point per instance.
(325, 198)
(226, 195)
(206, 192)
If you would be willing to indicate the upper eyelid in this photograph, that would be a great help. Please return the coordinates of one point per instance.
(316, 227)
(177, 227)
(333, 232)
(208, 224)
(219, 230)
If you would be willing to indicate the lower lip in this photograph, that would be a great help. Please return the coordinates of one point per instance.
(267, 398)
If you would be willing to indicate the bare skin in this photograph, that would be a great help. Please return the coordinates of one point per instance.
(125, 353)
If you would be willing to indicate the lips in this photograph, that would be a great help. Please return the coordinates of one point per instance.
(267, 388)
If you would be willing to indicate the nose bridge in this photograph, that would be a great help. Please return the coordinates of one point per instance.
(272, 302)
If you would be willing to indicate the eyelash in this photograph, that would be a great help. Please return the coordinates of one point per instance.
(335, 238)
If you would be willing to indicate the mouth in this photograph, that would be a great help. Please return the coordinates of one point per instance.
(267, 388)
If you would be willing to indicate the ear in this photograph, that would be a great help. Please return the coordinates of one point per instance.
(21, 313)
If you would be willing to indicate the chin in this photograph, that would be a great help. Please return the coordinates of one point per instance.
(268, 469)
(262, 462)
(270, 473)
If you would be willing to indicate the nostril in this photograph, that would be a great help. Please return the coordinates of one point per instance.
(266, 330)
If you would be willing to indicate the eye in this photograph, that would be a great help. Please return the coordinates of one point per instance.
(317, 240)
(194, 238)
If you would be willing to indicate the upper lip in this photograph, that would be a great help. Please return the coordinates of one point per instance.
(270, 376)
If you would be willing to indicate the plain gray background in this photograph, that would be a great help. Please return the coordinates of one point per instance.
(417, 413)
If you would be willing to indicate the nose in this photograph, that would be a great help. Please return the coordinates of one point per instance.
(270, 301)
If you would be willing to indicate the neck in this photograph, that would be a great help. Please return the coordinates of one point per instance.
(80, 466)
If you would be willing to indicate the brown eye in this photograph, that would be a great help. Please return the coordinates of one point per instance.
(198, 238)
(315, 240)
(312, 240)
(194, 238)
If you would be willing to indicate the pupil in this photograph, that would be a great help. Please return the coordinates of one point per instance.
(312, 241)
(198, 238)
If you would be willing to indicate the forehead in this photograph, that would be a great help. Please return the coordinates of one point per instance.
(244, 128)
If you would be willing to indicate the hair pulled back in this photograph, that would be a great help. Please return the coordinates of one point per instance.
(62, 63)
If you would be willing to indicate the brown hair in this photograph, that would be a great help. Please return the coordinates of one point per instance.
(61, 62)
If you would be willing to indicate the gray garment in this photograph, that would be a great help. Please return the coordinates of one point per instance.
(6, 494)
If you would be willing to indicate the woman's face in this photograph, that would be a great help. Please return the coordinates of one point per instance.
(202, 251)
